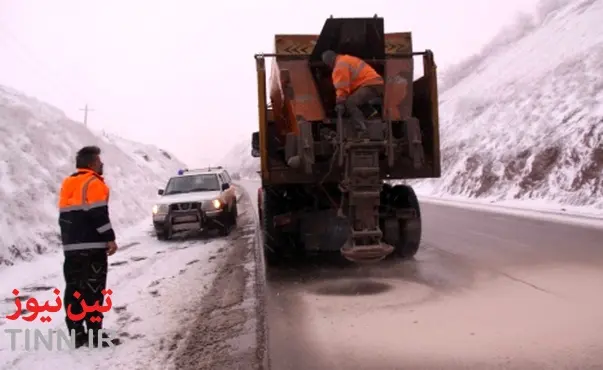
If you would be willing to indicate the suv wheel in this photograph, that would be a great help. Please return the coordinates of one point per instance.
(226, 224)
(166, 234)
(234, 214)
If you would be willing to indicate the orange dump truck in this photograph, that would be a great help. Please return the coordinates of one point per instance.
(323, 187)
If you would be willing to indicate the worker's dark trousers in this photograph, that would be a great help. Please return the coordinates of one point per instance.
(360, 97)
(85, 271)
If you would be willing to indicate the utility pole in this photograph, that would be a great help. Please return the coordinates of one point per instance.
(86, 110)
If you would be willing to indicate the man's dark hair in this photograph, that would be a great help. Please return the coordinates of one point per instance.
(86, 156)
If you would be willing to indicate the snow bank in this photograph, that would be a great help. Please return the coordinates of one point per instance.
(525, 121)
(239, 160)
(38, 144)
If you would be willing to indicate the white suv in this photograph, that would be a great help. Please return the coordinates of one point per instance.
(195, 200)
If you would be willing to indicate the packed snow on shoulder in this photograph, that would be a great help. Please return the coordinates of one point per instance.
(156, 292)
(524, 118)
(38, 147)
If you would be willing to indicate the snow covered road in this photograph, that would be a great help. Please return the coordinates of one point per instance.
(166, 297)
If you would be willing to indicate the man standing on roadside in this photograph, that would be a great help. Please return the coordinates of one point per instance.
(88, 238)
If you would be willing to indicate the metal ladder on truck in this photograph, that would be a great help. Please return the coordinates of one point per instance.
(361, 187)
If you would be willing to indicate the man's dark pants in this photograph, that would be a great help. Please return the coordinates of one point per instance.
(85, 271)
(360, 97)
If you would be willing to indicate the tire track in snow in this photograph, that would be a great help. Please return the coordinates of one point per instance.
(228, 332)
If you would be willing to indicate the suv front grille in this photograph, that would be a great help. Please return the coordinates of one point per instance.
(184, 207)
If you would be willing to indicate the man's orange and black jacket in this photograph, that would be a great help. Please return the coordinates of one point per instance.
(84, 212)
(351, 73)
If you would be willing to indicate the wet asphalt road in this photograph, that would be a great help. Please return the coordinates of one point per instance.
(486, 291)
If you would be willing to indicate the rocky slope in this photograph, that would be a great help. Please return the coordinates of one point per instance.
(524, 118)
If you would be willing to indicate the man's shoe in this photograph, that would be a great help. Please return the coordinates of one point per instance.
(361, 130)
(81, 339)
(104, 340)
(359, 125)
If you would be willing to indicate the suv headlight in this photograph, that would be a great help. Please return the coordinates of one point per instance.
(159, 209)
(212, 205)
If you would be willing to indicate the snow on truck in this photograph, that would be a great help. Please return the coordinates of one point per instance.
(323, 187)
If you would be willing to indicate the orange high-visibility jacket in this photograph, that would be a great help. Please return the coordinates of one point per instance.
(84, 212)
(350, 73)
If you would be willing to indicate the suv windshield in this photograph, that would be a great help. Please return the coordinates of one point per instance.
(187, 184)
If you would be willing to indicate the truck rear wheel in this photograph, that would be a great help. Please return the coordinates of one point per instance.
(281, 243)
(272, 237)
(403, 234)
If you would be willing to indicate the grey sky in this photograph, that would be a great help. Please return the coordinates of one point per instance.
(180, 74)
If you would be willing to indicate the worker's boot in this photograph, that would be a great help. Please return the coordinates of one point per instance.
(358, 120)
(360, 126)
(361, 130)
(357, 117)
(80, 338)
(105, 341)
(77, 332)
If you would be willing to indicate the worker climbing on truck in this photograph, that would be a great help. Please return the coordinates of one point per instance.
(356, 83)
(318, 168)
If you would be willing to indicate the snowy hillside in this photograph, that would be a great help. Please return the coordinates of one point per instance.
(523, 119)
(38, 144)
(239, 160)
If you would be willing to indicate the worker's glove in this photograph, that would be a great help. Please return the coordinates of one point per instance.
(340, 108)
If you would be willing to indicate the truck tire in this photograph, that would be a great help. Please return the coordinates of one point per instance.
(409, 230)
(272, 237)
